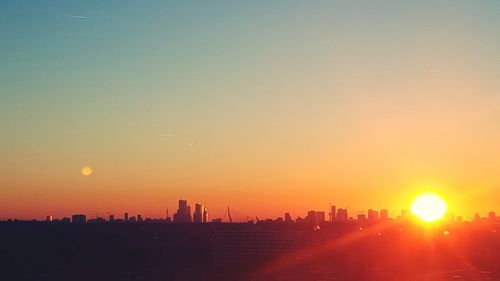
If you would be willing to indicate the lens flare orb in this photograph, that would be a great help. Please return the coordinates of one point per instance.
(86, 171)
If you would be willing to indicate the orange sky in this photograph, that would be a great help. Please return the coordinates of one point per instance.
(263, 107)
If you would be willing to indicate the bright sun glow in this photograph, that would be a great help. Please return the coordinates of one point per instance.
(429, 207)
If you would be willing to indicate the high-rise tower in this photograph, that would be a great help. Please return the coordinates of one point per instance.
(183, 214)
(198, 212)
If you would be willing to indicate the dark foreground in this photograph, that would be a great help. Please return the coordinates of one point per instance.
(37, 251)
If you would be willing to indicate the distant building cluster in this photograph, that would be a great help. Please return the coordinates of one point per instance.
(184, 214)
(340, 215)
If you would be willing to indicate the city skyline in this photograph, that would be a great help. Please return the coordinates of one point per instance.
(234, 140)
(183, 214)
(241, 214)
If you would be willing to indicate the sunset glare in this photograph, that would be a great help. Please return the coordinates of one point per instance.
(429, 207)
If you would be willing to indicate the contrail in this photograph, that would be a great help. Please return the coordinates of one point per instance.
(79, 17)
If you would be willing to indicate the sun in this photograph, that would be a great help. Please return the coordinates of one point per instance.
(429, 207)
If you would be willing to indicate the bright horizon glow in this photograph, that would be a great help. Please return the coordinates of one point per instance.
(429, 207)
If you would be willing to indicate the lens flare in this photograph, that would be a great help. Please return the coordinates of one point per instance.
(429, 207)
(86, 171)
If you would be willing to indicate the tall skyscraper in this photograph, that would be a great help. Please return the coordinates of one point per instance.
(183, 214)
(372, 215)
(125, 216)
(205, 215)
(384, 214)
(333, 213)
(183, 204)
(198, 212)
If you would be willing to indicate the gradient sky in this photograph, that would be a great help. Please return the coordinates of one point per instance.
(266, 106)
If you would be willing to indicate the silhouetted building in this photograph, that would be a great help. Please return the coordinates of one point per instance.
(168, 218)
(342, 215)
(139, 218)
(477, 217)
(125, 216)
(66, 220)
(198, 213)
(372, 215)
(48, 219)
(132, 219)
(333, 214)
(384, 214)
(78, 218)
(183, 214)
(361, 218)
(492, 217)
(315, 216)
(311, 216)
(111, 218)
(320, 216)
(288, 217)
(97, 220)
(405, 214)
(205, 215)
